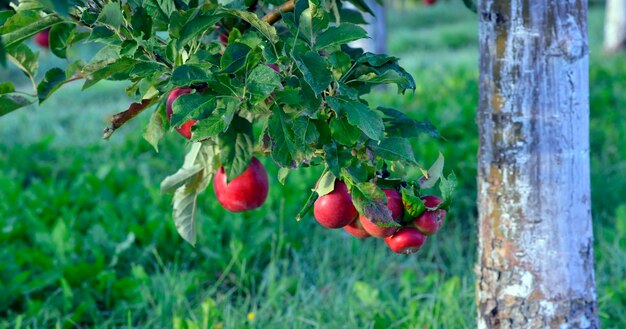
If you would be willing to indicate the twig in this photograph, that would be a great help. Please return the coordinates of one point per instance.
(121, 118)
(276, 13)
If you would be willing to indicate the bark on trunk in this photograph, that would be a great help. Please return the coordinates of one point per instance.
(535, 264)
(615, 25)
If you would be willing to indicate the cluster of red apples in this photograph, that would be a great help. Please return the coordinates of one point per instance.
(336, 210)
(333, 210)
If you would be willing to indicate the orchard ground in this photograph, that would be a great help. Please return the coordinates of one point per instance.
(87, 239)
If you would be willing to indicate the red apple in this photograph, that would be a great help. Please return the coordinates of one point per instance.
(247, 191)
(42, 39)
(356, 229)
(394, 203)
(223, 37)
(185, 128)
(407, 240)
(429, 2)
(335, 209)
(429, 222)
(273, 67)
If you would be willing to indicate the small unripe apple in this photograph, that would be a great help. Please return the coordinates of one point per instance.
(429, 222)
(335, 209)
(42, 39)
(356, 229)
(394, 204)
(185, 128)
(407, 240)
(246, 192)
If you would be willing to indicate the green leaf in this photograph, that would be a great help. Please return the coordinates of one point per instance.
(234, 57)
(282, 175)
(393, 149)
(160, 17)
(312, 20)
(267, 30)
(371, 202)
(434, 173)
(53, 79)
(413, 204)
(196, 27)
(343, 132)
(314, 70)
(3, 54)
(261, 82)
(6, 87)
(305, 131)
(147, 69)
(448, 187)
(325, 184)
(352, 16)
(117, 70)
(236, 146)
(358, 114)
(216, 123)
(102, 34)
(307, 206)
(184, 201)
(129, 48)
(288, 96)
(338, 35)
(393, 66)
(188, 74)
(376, 60)
(332, 158)
(17, 20)
(284, 148)
(358, 171)
(399, 124)
(11, 102)
(471, 5)
(4, 16)
(111, 15)
(183, 176)
(59, 34)
(25, 59)
(14, 32)
(141, 23)
(386, 77)
(154, 130)
(167, 6)
(188, 104)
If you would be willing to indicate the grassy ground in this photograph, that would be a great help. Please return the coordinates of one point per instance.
(88, 241)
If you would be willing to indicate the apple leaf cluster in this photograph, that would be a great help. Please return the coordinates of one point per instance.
(272, 78)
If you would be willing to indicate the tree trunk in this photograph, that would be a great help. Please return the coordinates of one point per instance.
(615, 25)
(535, 264)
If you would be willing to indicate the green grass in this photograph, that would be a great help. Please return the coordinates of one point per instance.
(88, 241)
